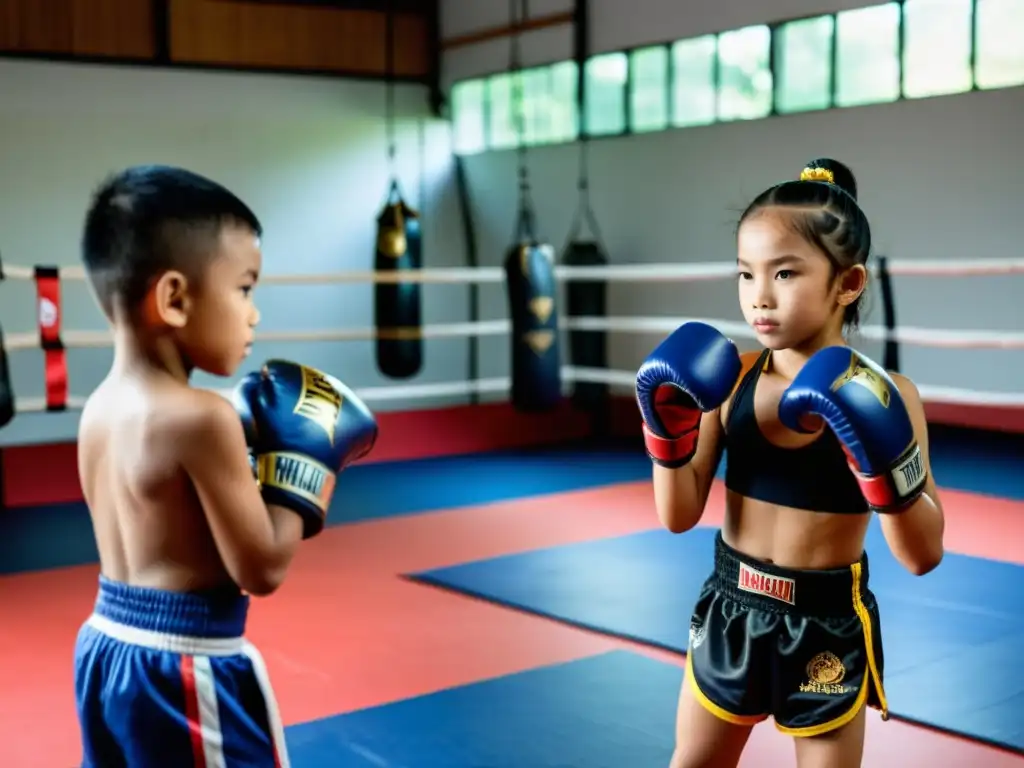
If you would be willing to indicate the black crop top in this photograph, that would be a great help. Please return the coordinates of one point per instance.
(815, 477)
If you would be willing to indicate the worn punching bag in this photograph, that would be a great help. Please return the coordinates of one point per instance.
(530, 272)
(6, 390)
(397, 305)
(533, 306)
(587, 298)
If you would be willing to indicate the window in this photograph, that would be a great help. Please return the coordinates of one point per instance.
(936, 47)
(606, 94)
(744, 74)
(999, 53)
(501, 133)
(693, 81)
(868, 55)
(536, 95)
(562, 105)
(468, 117)
(868, 44)
(804, 65)
(648, 98)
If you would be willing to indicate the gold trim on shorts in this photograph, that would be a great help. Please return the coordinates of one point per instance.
(871, 675)
(714, 709)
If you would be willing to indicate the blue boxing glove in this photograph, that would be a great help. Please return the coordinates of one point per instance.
(245, 392)
(863, 407)
(303, 428)
(689, 373)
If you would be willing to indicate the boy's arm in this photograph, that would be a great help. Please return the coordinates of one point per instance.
(256, 542)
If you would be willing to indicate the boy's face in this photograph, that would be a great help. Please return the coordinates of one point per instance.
(221, 325)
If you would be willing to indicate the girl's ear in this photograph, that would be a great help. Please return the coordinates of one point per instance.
(852, 284)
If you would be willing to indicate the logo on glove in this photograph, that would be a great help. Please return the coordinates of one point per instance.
(858, 373)
(319, 401)
(299, 475)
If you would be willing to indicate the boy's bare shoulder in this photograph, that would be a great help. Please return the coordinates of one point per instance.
(181, 416)
(200, 413)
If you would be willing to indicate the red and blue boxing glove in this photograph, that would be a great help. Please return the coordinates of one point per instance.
(691, 372)
(862, 405)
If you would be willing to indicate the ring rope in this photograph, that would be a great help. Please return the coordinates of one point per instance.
(926, 337)
(628, 273)
(623, 273)
(623, 380)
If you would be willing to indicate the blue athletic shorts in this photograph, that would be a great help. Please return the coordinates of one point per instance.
(165, 679)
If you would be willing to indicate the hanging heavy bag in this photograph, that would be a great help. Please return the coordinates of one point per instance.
(397, 306)
(587, 298)
(588, 349)
(536, 363)
(530, 274)
(6, 392)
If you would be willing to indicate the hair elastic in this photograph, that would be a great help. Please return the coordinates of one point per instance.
(818, 174)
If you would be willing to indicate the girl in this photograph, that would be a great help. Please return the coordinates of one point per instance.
(817, 438)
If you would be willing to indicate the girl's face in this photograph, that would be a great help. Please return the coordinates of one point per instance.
(786, 286)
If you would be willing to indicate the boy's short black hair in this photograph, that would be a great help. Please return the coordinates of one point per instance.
(148, 219)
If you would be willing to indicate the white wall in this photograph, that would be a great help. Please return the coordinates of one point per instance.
(940, 178)
(308, 154)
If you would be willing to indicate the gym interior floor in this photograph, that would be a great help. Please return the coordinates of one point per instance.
(515, 649)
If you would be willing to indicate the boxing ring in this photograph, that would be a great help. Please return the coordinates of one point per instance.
(621, 380)
(506, 605)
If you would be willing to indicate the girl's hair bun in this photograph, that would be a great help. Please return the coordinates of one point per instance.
(831, 172)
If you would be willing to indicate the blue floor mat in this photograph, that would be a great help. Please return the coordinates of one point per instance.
(57, 535)
(978, 462)
(616, 710)
(949, 637)
(374, 491)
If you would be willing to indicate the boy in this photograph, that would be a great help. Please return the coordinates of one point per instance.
(163, 676)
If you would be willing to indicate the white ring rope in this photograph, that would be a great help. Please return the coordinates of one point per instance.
(98, 339)
(627, 273)
(621, 380)
(925, 337)
(630, 273)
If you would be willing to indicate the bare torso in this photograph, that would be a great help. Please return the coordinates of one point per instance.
(788, 537)
(150, 528)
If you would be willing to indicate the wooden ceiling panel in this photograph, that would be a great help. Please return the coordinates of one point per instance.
(332, 37)
(304, 36)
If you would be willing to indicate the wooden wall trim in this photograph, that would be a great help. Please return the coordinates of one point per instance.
(496, 33)
(150, 63)
(420, 7)
(322, 39)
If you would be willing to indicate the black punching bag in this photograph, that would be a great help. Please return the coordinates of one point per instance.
(532, 298)
(586, 298)
(397, 310)
(6, 390)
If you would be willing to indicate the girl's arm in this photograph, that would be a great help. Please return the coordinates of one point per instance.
(681, 493)
(915, 535)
